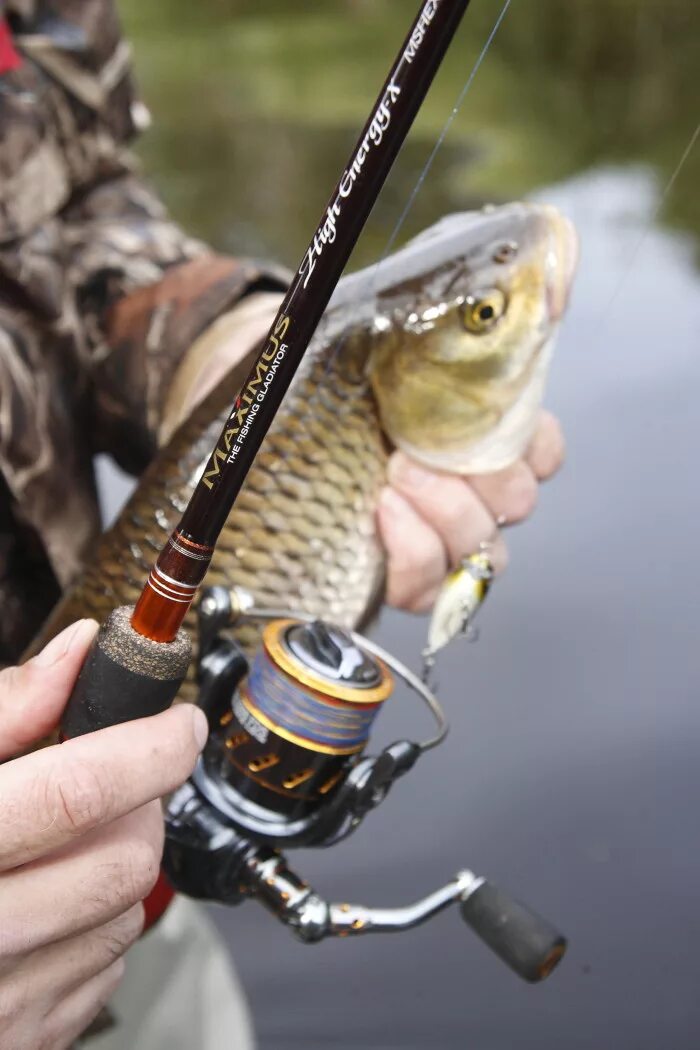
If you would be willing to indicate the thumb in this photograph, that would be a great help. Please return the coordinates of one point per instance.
(33, 695)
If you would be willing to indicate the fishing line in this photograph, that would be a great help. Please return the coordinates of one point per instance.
(605, 312)
(320, 398)
(319, 394)
(440, 139)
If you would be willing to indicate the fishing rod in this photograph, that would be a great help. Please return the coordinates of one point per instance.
(285, 763)
(151, 669)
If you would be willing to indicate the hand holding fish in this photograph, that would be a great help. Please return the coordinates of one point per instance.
(429, 521)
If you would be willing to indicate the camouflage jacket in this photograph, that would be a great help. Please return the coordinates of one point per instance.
(100, 293)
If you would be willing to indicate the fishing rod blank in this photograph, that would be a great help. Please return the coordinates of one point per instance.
(129, 672)
(182, 564)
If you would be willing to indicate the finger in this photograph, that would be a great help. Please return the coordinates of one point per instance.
(72, 1016)
(498, 554)
(547, 448)
(33, 695)
(55, 795)
(416, 558)
(51, 972)
(82, 887)
(446, 502)
(510, 494)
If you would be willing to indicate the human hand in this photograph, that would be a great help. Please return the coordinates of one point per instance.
(429, 521)
(81, 835)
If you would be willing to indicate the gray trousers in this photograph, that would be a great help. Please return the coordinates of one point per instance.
(180, 991)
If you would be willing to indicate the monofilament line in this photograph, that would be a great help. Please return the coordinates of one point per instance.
(651, 223)
(440, 139)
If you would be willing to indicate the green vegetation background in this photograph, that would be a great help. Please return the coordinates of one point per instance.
(257, 102)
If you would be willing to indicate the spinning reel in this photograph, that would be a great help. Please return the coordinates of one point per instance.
(286, 766)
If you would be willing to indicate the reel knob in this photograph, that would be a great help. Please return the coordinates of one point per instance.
(526, 942)
(331, 652)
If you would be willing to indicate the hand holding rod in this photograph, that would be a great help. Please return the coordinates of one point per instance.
(183, 562)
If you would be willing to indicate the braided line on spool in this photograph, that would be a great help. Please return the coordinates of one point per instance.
(312, 718)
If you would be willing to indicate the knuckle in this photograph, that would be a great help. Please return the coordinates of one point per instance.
(549, 446)
(520, 498)
(396, 591)
(14, 999)
(423, 602)
(13, 679)
(555, 448)
(112, 978)
(124, 931)
(400, 588)
(153, 826)
(15, 940)
(53, 1035)
(456, 512)
(115, 974)
(59, 1027)
(78, 796)
(499, 556)
(408, 585)
(139, 866)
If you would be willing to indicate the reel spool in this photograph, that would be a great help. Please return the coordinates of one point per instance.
(286, 764)
(298, 721)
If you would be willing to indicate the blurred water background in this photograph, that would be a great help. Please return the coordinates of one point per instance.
(571, 773)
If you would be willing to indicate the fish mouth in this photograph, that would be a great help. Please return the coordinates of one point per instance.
(560, 262)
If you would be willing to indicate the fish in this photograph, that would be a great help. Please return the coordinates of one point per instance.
(441, 350)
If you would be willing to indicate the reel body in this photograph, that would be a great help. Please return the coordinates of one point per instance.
(286, 766)
(297, 721)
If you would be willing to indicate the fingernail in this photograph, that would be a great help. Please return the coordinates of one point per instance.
(200, 727)
(58, 647)
(405, 473)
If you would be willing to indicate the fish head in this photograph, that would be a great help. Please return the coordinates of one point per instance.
(463, 335)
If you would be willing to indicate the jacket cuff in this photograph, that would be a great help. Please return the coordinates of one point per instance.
(149, 331)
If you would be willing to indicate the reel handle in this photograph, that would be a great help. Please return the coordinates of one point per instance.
(526, 942)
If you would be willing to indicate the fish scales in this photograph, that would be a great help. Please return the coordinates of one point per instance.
(264, 546)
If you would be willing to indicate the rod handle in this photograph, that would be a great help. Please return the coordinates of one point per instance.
(125, 676)
(526, 942)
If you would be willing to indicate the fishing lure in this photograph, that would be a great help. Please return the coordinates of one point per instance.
(456, 605)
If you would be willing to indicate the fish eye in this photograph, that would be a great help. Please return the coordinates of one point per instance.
(482, 312)
(505, 252)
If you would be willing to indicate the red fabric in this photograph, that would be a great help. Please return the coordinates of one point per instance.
(158, 900)
(9, 59)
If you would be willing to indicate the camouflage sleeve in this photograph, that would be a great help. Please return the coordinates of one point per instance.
(82, 237)
(140, 326)
(100, 292)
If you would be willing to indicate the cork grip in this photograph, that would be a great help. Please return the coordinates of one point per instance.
(125, 676)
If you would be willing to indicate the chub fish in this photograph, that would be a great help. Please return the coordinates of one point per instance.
(442, 350)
